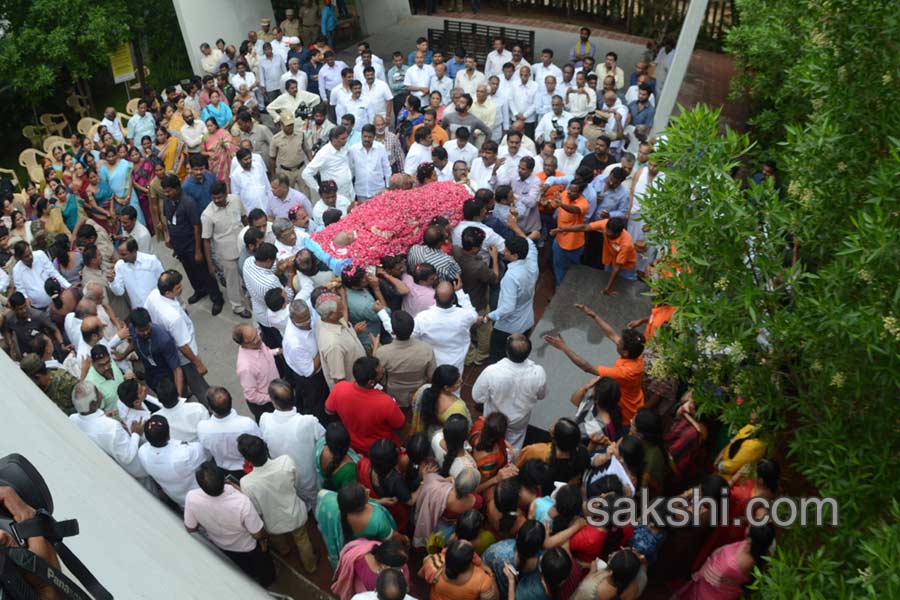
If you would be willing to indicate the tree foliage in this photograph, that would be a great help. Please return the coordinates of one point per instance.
(49, 42)
(789, 302)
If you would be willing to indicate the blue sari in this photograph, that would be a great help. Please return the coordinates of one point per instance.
(72, 210)
(119, 180)
(528, 586)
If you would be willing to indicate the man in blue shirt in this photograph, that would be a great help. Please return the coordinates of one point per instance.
(421, 46)
(198, 185)
(641, 111)
(157, 351)
(515, 308)
(611, 197)
(183, 236)
(457, 64)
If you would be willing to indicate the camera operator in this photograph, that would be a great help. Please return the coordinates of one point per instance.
(289, 102)
(20, 511)
(551, 127)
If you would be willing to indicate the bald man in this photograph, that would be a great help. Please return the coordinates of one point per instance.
(255, 368)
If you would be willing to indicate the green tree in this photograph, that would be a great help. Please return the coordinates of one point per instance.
(789, 301)
(51, 43)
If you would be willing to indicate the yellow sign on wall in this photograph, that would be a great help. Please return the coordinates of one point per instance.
(122, 66)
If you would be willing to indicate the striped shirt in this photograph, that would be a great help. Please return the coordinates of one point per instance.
(258, 281)
(447, 268)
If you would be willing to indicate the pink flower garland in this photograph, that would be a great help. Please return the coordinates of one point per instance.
(392, 221)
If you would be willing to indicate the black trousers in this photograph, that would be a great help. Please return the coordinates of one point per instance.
(258, 410)
(256, 564)
(202, 282)
(310, 394)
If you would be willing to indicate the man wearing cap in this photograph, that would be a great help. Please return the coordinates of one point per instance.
(264, 34)
(55, 382)
(286, 155)
(291, 24)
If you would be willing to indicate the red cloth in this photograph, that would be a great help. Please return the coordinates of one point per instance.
(400, 511)
(587, 544)
(368, 415)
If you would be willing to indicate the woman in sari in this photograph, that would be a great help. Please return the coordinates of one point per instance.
(176, 121)
(522, 553)
(490, 450)
(21, 227)
(116, 173)
(97, 195)
(461, 578)
(170, 151)
(219, 148)
(349, 514)
(218, 110)
(443, 502)
(68, 171)
(335, 459)
(55, 160)
(623, 577)
(70, 205)
(433, 404)
(140, 179)
(598, 412)
(360, 563)
(378, 473)
(725, 574)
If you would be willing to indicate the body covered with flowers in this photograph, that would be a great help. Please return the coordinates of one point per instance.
(391, 222)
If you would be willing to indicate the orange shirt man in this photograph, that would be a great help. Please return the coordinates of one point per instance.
(627, 371)
(571, 208)
(619, 255)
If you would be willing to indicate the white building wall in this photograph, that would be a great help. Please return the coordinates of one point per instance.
(375, 15)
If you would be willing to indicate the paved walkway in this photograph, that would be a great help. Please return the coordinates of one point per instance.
(707, 80)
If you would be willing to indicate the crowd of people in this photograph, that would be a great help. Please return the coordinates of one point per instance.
(352, 372)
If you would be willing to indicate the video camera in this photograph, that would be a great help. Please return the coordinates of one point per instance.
(19, 474)
(303, 112)
(557, 127)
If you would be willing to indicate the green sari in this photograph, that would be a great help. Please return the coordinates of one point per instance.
(343, 475)
(328, 516)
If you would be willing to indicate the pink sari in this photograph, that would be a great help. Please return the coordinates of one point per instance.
(719, 578)
(221, 148)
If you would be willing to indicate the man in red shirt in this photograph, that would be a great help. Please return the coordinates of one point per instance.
(628, 370)
(367, 413)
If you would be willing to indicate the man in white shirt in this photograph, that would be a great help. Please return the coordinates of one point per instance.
(546, 67)
(250, 181)
(219, 433)
(441, 82)
(369, 162)
(618, 114)
(418, 77)
(512, 386)
(131, 227)
(547, 130)
(522, 94)
(366, 60)
(243, 76)
(296, 74)
(474, 212)
(113, 125)
(581, 99)
(106, 432)
(354, 104)
(183, 416)
(499, 56)
(32, 270)
(543, 101)
(445, 326)
(271, 68)
(166, 310)
(460, 148)
(301, 354)
(484, 166)
(289, 433)
(568, 158)
(136, 273)
(332, 163)
(470, 78)
(419, 152)
(501, 117)
(270, 486)
(290, 101)
(510, 154)
(171, 463)
(192, 132)
(377, 93)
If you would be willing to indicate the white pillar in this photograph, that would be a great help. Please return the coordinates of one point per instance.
(683, 51)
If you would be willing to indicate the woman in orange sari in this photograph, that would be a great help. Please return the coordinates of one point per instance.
(170, 151)
(490, 450)
(177, 120)
(219, 149)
